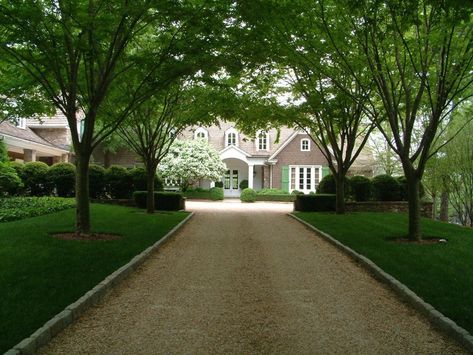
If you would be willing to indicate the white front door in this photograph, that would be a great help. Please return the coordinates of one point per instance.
(230, 183)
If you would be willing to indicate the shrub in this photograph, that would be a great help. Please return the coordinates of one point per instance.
(216, 193)
(14, 208)
(3, 152)
(402, 181)
(315, 203)
(243, 184)
(119, 183)
(296, 192)
(385, 188)
(10, 182)
(164, 201)
(248, 195)
(272, 192)
(62, 177)
(328, 185)
(96, 181)
(276, 197)
(35, 178)
(219, 184)
(360, 188)
(139, 177)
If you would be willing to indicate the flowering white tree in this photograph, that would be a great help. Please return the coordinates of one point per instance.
(190, 161)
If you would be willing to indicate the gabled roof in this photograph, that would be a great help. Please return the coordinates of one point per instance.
(282, 146)
(27, 134)
(230, 147)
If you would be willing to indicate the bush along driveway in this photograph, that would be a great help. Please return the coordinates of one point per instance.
(41, 275)
(439, 273)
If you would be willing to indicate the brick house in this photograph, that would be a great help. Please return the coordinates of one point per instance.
(286, 160)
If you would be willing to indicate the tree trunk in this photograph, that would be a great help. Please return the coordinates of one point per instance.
(150, 176)
(82, 194)
(444, 206)
(340, 194)
(434, 206)
(413, 183)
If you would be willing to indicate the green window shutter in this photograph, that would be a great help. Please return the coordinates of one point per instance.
(285, 178)
(325, 171)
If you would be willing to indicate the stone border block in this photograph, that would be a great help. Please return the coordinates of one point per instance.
(445, 324)
(71, 313)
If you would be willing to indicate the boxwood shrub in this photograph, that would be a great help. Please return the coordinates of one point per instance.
(385, 188)
(119, 182)
(62, 177)
(315, 203)
(272, 192)
(360, 188)
(243, 184)
(328, 186)
(402, 181)
(96, 181)
(248, 195)
(163, 201)
(216, 193)
(139, 180)
(276, 197)
(10, 182)
(35, 178)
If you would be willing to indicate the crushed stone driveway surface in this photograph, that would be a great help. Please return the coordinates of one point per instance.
(248, 279)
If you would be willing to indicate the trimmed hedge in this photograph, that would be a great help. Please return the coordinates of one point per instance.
(360, 188)
(62, 177)
(276, 197)
(10, 182)
(248, 195)
(35, 178)
(315, 203)
(243, 184)
(14, 208)
(119, 182)
(297, 192)
(385, 188)
(163, 201)
(96, 181)
(328, 186)
(216, 193)
(139, 180)
(198, 195)
(272, 192)
(402, 181)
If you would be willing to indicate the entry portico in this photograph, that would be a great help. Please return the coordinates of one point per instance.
(241, 166)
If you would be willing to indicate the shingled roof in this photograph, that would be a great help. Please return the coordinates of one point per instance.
(27, 134)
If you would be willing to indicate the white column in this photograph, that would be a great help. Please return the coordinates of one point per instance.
(250, 176)
(212, 184)
(29, 155)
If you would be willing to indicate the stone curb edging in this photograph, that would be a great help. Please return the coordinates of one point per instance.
(444, 323)
(72, 312)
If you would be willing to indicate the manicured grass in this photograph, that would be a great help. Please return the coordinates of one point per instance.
(441, 274)
(41, 275)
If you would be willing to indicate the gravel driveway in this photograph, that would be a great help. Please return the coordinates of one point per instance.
(247, 279)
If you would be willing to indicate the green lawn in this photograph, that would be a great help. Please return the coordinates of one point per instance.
(441, 274)
(41, 275)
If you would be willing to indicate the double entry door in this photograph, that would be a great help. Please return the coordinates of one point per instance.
(230, 183)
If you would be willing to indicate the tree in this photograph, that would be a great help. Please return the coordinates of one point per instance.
(189, 161)
(332, 111)
(81, 53)
(420, 56)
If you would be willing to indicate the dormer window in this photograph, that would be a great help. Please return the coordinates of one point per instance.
(305, 145)
(201, 133)
(262, 140)
(231, 137)
(20, 123)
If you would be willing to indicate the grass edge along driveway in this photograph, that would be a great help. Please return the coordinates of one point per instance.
(41, 275)
(441, 274)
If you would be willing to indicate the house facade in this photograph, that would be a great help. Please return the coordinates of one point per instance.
(47, 140)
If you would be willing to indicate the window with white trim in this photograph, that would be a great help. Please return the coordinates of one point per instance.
(304, 178)
(231, 137)
(20, 123)
(201, 133)
(305, 145)
(262, 140)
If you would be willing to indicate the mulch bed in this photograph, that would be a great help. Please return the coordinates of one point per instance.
(86, 237)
